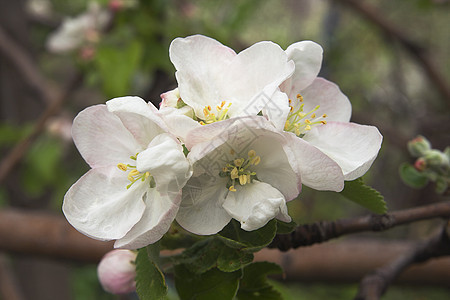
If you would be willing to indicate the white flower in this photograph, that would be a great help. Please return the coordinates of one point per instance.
(74, 32)
(242, 170)
(133, 190)
(117, 271)
(219, 84)
(320, 115)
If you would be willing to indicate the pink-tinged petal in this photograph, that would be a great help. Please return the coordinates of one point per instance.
(170, 98)
(316, 169)
(307, 57)
(332, 101)
(224, 130)
(201, 210)
(255, 204)
(102, 139)
(253, 76)
(138, 117)
(159, 213)
(165, 160)
(100, 206)
(200, 62)
(275, 167)
(352, 146)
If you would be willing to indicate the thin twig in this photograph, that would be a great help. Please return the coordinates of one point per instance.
(55, 98)
(390, 29)
(319, 232)
(375, 284)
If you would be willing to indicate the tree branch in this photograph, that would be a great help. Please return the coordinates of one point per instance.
(319, 232)
(375, 284)
(390, 29)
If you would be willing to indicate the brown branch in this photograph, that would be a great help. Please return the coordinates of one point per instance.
(319, 232)
(375, 284)
(47, 235)
(390, 29)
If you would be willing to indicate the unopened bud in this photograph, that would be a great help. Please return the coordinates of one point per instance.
(436, 158)
(419, 146)
(420, 164)
(117, 271)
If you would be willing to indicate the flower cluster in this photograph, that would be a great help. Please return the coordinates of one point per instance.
(236, 139)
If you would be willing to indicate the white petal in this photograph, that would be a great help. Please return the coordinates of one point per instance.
(200, 62)
(275, 167)
(99, 204)
(179, 125)
(307, 57)
(352, 146)
(102, 139)
(159, 213)
(138, 117)
(316, 169)
(277, 109)
(254, 74)
(332, 101)
(201, 210)
(255, 204)
(165, 160)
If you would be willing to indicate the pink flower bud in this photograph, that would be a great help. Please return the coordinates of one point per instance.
(117, 271)
(420, 164)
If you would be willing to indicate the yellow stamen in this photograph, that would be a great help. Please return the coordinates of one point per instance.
(242, 179)
(122, 166)
(232, 189)
(234, 173)
(251, 153)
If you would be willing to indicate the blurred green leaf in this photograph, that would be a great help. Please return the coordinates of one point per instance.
(117, 66)
(285, 228)
(364, 195)
(231, 259)
(412, 177)
(254, 284)
(213, 284)
(150, 282)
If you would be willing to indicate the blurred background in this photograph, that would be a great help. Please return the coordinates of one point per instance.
(58, 57)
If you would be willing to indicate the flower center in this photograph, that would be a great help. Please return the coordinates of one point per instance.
(220, 115)
(299, 121)
(238, 170)
(134, 175)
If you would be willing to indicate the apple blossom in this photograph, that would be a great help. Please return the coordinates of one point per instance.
(117, 271)
(218, 83)
(135, 209)
(244, 170)
(319, 114)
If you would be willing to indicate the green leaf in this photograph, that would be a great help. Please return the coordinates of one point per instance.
(364, 195)
(150, 282)
(231, 259)
(412, 177)
(200, 257)
(285, 228)
(254, 284)
(213, 284)
(235, 237)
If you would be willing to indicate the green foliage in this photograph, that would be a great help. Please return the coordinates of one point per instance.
(117, 66)
(150, 282)
(235, 237)
(364, 195)
(285, 228)
(254, 284)
(412, 177)
(213, 284)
